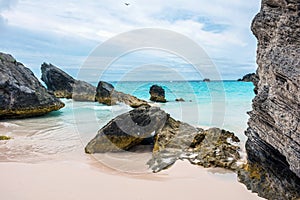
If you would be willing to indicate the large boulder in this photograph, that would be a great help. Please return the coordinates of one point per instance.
(65, 86)
(106, 94)
(21, 94)
(157, 94)
(274, 119)
(173, 140)
(127, 130)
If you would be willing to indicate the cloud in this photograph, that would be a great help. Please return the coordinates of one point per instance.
(5, 5)
(220, 27)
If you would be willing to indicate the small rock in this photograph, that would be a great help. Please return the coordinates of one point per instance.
(3, 137)
(157, 94)
(180, 99)
(106, 94)
(206, 80)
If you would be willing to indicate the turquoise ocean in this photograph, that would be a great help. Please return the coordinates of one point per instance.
(222, 104)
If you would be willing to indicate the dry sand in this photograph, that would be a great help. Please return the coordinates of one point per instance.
(72, 180)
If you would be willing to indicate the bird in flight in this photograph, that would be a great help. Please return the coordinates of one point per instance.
(127, 4)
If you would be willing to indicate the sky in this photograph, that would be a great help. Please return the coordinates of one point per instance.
(66, 33)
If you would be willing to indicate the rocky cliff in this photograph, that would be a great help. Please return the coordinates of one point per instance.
(21, 94)
(275, 118)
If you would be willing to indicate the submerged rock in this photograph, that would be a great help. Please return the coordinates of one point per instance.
(157, 94)
(65, 86)
(275, 117)
(127, 130)
(106, 94)
(21, 94)
(173, 140)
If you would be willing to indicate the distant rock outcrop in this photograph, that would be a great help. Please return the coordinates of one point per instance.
(173, 140)
(274, 120)
(252, 77)
(21, 94)
(107, 94)
(157, 94)
(65, 86)
(206, 80)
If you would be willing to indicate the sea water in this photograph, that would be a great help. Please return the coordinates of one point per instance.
(222, 104)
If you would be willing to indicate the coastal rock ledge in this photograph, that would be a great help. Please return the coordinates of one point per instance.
(275, 118)
(21, 94)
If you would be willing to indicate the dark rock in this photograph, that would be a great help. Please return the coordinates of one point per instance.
(252, 77)
(157, 94)
(180, 99)
(128, 130)
(267, 173)
(206, 80)
(65, 86)
(21, 94)
(106, 94)
(173, 140)
(274, 119)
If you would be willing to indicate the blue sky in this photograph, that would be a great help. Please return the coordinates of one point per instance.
(66, 32)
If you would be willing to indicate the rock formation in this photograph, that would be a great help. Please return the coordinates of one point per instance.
(127, 130)
(173, 140)
(209, 148)
(180, 99)
(252, 77)
(106, 94)
(274, 120)
(65, 86)
(21, 94)
(157, 94)
(267, 173)
(206, 80)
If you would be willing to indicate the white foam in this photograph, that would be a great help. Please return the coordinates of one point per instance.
(8, 125)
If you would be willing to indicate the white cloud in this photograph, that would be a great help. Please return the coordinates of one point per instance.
(221, 27)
